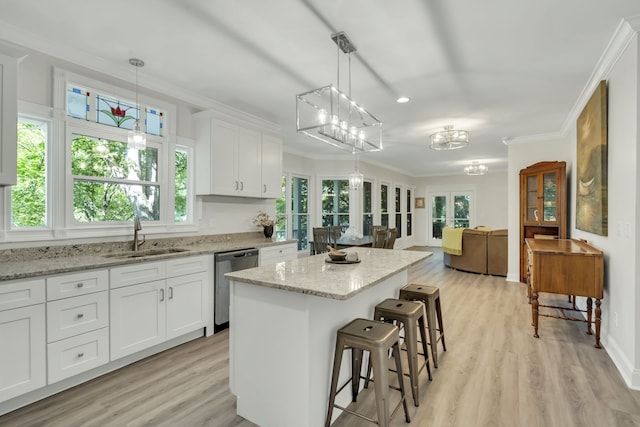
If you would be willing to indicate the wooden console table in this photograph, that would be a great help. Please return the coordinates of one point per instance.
(569, 267)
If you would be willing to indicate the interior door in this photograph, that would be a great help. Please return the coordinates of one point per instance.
(449, 208)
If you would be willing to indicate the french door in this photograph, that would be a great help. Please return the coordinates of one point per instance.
(452, 208)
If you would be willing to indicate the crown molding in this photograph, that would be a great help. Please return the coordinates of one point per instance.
(541, 137)
(624, 34)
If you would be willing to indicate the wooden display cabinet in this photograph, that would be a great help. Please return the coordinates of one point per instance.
(543, 205)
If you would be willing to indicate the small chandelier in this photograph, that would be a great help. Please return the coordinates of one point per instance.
(356, 179)
(136, 138)
(476, 169)
(331, 116)
(449, 139)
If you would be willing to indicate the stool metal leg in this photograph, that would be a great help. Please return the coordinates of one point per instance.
(425, 347)
(441, 328)
(381, 385)
(396, 353)
(412, 357)
(337, 361)
(356, 367)
(431, 320)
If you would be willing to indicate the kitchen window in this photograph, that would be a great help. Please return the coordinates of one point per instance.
(367, 204)
(384, 205)
(409, 213)
(29, 195)
(335, 203)
(292, 210)
(398, 207)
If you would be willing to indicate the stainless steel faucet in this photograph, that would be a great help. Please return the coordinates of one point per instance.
(137, 227)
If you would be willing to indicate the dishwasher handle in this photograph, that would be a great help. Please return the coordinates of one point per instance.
(243, 253)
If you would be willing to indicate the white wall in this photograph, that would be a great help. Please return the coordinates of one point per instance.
(491, 198)
(621, 317)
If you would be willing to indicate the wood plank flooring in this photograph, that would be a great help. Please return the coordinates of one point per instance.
(494, 373)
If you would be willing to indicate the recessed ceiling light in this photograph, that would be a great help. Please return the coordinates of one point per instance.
(402, 100)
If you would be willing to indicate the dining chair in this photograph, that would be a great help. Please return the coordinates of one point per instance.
(391, 240)
(377, 227)
(321, 239)
(379, 238)
(337, 231)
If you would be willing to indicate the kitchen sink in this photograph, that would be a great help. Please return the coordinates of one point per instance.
(147, 253)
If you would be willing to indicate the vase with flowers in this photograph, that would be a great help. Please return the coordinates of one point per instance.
(263, 220)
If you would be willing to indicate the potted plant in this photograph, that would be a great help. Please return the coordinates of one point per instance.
(263, 220)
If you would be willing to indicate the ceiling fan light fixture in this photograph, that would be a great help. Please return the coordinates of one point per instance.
(449, 139)
(329, 115)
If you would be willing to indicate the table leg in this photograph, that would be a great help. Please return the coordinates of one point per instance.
(534, 312)
(598, 314)
(589, 310)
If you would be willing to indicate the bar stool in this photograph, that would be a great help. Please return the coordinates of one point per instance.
(430, 296)
(376, 338)
(410, 314)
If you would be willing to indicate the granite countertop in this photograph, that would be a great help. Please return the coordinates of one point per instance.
(312, 275)
(43, 261)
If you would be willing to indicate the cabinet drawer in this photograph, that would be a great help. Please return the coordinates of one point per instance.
(274, 254)
(137, 273)
(78, 354)
(70, 285)
(21, 293)
(187, 265)
(73, 316)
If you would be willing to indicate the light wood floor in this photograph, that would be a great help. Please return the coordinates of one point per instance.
(493, 374)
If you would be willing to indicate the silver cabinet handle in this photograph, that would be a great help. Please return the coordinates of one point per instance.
(79, 285)
(80, 355)
(265, 188)
(236, 185)
(241, 185)
(170, 292)
(161, 294)
(80, 316)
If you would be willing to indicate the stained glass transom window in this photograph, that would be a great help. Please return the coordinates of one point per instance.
(154, 122)
(114, 112)
(78, 103)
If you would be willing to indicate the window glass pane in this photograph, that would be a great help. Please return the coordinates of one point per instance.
(109, 201)
(112, 159)
(367, 217)
(335, 203)
(299, 195)
(77, 103)
(384, 198)
(181, 194)
(409, 201)
(154, 121)
(281, 214)
(398, 199)
(29, 196)
(114, 112)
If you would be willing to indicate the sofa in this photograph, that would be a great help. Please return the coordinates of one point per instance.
(483, 251)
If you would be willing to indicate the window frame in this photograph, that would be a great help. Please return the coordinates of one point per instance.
(320, 195)
(289, 214)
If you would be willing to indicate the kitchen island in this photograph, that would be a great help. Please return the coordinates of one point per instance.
(284, 318)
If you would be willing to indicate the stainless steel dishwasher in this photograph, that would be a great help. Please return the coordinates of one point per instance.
(226, 262)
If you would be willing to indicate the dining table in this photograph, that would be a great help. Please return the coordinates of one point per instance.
(347, 242)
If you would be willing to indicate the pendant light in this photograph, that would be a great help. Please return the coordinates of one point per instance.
(356, 179)
(136, 138)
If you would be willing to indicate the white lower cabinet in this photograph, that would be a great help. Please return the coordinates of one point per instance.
(23, 354)
(278, 253)
(146, 314)
(137, 318)
(77, 354)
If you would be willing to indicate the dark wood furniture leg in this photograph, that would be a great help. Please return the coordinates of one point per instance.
(598, 314)
(534, 312)
(589, 313)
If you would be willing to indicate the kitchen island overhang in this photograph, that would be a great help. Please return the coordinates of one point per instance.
(284, 319)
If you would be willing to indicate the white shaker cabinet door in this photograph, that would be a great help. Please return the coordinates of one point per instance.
(271, 167)
(138, 318)
(23, 355)
(223, 173)
(249, 153)
(187, 303)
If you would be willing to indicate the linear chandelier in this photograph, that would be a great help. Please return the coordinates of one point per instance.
(331, 116)
(356, 179)
(449, 139)
(476, 168)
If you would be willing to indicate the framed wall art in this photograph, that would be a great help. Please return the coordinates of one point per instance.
(419, 202)
(591, 164)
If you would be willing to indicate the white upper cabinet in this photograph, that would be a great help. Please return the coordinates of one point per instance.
(8, 119)
(233, 159)
(271, 167)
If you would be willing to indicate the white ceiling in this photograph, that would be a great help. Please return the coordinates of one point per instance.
(497, 68)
